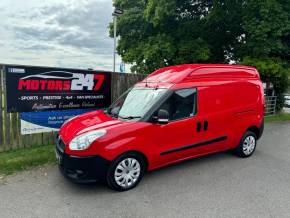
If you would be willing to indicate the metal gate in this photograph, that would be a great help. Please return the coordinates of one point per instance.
(270, 105)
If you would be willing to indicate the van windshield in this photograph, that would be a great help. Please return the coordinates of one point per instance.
(135, 103)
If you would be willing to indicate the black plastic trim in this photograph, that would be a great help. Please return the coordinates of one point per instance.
(194, 145)
(82, 169)
(261, 129)
(198, 128)
(205, 125)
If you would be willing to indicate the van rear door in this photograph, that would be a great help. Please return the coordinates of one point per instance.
(216, 110)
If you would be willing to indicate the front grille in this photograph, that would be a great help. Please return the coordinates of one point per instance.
(60, 144)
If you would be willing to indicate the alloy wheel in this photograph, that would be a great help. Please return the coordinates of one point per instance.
(249, 145)
(127, 172)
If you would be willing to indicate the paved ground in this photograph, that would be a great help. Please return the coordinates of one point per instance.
(219, 185)
(286, 109)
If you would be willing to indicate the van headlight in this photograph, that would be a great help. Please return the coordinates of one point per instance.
(83, 141)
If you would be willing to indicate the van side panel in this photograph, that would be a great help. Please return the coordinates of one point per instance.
(231, 107)
(250, 110)
(215, 106)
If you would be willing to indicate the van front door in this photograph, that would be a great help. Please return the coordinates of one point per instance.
(178, 139)
(187, 133)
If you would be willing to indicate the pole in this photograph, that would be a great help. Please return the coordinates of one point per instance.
(115, 33)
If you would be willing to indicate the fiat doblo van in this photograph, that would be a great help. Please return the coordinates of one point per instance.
(174, 114)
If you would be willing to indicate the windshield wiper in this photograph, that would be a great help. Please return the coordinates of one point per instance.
(129, 117)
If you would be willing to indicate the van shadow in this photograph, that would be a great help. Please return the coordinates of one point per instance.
(195, 166)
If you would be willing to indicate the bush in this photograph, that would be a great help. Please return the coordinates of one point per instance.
(274, 70)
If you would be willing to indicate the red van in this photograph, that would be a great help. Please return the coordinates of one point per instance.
(174, 114)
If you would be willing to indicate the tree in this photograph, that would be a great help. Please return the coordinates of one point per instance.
(158, 33)
(266, 25)
(274, 70)
(266, 42)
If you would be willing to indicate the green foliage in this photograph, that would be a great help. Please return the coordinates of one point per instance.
(221, 30)
(157, 11)
(158, 33)
(278, 117)
(266, 43)
(274, 70)
(267, 29)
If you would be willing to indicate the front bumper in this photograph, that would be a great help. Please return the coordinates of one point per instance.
(82, 169)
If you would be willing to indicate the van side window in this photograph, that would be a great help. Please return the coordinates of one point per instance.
(181, 104)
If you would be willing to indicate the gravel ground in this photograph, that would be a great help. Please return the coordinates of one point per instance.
(219, 185)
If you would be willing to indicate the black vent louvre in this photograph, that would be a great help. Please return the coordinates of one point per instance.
(60, 144)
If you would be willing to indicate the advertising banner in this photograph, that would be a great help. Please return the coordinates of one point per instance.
(32, 89)
(47, 121)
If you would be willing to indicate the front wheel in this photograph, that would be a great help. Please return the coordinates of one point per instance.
(126, 172)
(247, 145)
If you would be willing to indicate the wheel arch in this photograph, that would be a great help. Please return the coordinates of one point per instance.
(255, 130)
(145, 158)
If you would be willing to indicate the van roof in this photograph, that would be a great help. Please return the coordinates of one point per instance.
(190, 72)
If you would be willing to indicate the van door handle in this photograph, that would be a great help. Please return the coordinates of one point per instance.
(205, 125)
(198, 128)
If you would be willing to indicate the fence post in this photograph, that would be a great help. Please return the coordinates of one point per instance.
(1, 114)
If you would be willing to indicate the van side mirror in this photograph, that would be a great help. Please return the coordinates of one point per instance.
(163, 116)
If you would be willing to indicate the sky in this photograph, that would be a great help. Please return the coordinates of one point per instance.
(57, 33)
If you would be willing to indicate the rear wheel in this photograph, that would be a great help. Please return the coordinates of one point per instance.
(247, 145)
(126, 172)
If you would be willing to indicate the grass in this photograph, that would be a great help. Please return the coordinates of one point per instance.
(278, 117)
(23, 159)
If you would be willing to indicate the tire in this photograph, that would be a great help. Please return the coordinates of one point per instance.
(247, 145)
(129, 168)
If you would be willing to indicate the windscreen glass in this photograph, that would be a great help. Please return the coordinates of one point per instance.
(136, 103)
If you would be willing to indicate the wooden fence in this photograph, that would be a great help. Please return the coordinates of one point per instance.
(123, 81)
(10, 136)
